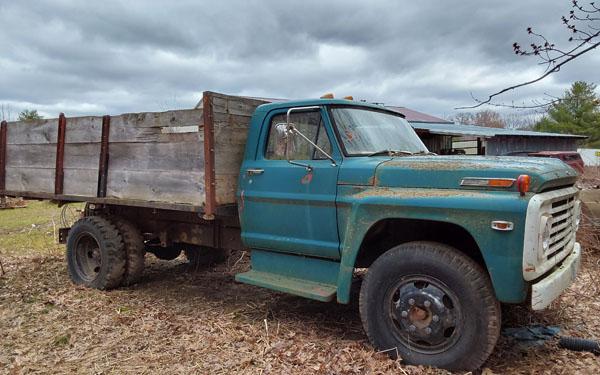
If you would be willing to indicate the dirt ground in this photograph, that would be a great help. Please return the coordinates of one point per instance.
(181, 320)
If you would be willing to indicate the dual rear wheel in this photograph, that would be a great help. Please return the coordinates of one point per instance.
(107, 252)
(104, 254)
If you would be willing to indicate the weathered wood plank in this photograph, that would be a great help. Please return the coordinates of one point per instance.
(32, 132)
(166, 186)
(231, 116)
(30, 179)
(80, 182)
(35, 155)
(176, 156)
(226, 188)
(82, 156)
(155, 127)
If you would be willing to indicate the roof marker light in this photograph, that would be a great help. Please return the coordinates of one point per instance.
(327, 96)
(349, 97)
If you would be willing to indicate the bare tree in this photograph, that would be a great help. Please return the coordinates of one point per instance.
(583, 25)
(487, 118)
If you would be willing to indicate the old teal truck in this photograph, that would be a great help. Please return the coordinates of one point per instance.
(323, 192)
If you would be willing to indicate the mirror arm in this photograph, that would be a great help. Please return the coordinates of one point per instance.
(307, 166)
(295, 131)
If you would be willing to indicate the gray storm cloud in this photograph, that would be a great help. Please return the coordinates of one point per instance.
(116, 56)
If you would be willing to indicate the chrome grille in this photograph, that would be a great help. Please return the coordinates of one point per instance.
(563, 227)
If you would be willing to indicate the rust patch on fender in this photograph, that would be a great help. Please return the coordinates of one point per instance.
(439, 165)
(417, 193)
(373, 180)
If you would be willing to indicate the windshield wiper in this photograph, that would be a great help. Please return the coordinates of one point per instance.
(390, 153)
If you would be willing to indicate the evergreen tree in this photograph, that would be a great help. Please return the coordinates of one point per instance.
(578, 112)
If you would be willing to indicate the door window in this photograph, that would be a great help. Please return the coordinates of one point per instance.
(308, 123)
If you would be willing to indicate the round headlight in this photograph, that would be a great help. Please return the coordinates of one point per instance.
(546, 233)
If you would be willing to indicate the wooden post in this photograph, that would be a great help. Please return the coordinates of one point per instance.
(103, 167)
(209, 157)
(59, 175)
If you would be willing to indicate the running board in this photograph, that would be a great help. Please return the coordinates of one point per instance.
(299, 275)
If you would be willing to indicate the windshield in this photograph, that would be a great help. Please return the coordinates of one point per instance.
(366, 132)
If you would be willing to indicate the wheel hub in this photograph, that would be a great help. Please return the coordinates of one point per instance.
(88, 257)
(425, 314)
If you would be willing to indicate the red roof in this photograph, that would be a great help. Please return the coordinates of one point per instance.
(416, 116)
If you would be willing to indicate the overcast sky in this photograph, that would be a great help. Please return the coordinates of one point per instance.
(84, 57)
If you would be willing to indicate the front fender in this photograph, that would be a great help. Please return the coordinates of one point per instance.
(359, 208)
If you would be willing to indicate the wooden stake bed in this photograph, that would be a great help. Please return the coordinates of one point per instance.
(152, 159)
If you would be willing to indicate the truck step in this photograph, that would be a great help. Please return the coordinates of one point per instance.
(299, 287)
(309, 277)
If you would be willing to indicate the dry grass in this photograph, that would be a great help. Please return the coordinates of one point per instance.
(177, 320)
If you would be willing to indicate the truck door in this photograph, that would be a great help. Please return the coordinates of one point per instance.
(286, 207)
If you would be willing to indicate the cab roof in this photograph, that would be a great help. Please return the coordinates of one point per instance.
(322, 102)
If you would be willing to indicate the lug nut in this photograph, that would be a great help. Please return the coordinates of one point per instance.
(435, 318)
(412, 328)
(428, 330)
(404, 314)
(411, 301)
(427, 303)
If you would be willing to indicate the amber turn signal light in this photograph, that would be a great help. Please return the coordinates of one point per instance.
(523, 183)
(327, 96)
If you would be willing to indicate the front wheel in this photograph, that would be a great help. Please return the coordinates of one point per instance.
(431, 305)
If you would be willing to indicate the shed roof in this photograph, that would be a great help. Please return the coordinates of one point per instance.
(480, 131)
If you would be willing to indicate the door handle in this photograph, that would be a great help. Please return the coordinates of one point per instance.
(254, 171)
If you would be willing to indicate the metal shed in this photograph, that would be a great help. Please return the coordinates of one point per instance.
(447, 137)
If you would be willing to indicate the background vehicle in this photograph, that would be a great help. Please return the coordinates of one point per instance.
(316, 189)
(571, 158)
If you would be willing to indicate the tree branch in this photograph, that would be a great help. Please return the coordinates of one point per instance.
(554, 58)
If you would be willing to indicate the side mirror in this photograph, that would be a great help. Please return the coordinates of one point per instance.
(284, 141)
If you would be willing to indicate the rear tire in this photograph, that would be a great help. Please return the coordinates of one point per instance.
(134, 250)
(431, 305)
(95, 254)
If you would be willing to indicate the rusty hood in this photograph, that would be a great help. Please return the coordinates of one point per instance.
(446, 172)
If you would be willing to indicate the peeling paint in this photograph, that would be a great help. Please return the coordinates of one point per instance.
(307, 178)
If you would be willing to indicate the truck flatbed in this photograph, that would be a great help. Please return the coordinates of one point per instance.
(184, 160)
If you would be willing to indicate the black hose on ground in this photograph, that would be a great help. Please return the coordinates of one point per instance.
(580, 345)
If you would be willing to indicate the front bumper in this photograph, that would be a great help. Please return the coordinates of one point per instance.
(548, 289)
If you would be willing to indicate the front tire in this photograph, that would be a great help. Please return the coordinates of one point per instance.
(431, 305)
(95, 253)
